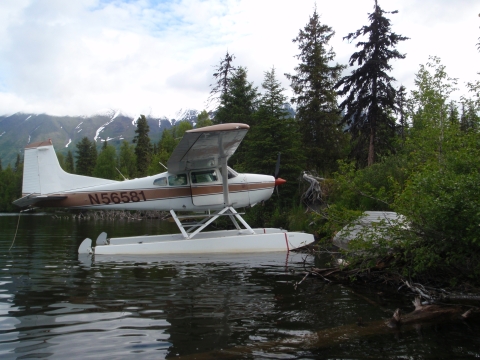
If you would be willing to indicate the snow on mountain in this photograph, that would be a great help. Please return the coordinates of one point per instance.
(112, 116)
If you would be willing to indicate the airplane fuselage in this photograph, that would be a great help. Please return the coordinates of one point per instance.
(196, 190)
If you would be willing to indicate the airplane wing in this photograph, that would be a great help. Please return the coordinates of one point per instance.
(202, 148)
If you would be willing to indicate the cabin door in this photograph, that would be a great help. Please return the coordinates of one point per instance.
(206, 187)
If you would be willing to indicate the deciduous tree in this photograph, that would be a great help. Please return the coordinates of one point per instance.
(127, 162)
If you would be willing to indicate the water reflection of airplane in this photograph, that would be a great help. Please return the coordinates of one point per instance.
(198, 180)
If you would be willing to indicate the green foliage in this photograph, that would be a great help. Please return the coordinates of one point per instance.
(86, 157)
(143, 148)
(69, 164)
(369, 94)
(180, 128)
(433, 180)
(11, 187)
(273, 133)
(373, 188)
(239, 102)
(61, 160)
(127, 162)
(223, 74)
(315, 96)
(105, 166)
(203, 119)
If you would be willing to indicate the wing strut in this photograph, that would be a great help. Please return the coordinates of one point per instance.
(197, 227)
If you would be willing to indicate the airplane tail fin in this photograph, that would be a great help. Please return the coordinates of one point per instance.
(42, 174)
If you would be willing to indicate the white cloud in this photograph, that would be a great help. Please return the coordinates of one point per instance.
(74, 57)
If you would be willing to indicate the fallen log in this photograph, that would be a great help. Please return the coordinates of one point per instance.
(428, 313)
(423, 314)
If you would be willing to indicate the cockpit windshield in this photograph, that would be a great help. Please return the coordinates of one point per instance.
(231, 173)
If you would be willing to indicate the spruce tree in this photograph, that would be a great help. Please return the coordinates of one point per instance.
(275, 132)
(222, 75)
(401, 100)
(18, 164)
(86, 157)
(239, 102)
(143, 148)
(369, 94)
(315, 96)
(69, 164)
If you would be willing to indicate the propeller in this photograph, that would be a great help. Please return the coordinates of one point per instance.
(278, 181)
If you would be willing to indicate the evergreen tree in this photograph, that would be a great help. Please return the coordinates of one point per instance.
(106, 161)
(143, 148)
(203, 119)
(222, 75)
(370, 96)
(275, 132)
(167, 141)
(86, 157)
(18, 164)
(401, 105)
(239, 102)
(69, 164)
(61, 159)
(238, 105)
(453, 115)
(1, 168)
(315, 96)
(127, 162)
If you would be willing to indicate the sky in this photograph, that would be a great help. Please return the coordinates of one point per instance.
(155, 57)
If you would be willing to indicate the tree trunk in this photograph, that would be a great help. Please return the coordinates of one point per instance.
(371, 148)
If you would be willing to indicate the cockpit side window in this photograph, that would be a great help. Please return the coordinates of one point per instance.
(177, 180)
(203, 176)
(160, 181)
(231, 173)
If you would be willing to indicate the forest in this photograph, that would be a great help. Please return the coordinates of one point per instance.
(371, 144)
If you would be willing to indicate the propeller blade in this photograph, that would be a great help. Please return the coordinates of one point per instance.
(277, 166)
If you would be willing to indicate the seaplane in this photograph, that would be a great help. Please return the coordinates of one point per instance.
(198, 183)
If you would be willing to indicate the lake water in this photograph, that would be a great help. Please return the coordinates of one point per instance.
(54, 305)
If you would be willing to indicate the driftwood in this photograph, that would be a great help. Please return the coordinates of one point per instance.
(314, 192)
(428, 313)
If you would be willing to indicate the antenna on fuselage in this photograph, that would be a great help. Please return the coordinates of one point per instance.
(163, 165)
(121, 174)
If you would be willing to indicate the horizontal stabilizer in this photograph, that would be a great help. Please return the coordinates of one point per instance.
(34, 199)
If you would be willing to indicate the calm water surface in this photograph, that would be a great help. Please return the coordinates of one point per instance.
(54, 305)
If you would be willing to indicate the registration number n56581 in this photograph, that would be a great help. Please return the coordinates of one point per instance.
(116, 197)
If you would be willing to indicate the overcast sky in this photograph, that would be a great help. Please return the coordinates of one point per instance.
(78, 57)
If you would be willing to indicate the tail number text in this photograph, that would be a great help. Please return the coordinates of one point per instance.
(116, 198)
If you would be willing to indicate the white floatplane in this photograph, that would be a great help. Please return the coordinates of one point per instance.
(198, 180)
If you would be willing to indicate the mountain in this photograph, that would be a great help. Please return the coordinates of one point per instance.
(20, 129)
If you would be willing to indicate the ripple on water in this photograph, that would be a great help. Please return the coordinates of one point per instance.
(57, 306)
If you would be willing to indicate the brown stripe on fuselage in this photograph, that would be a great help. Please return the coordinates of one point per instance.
(86, 199)
(82, 199)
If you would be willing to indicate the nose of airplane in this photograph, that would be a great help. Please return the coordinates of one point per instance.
(279, 181)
